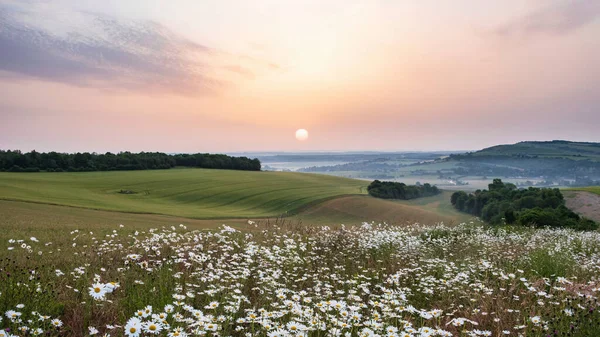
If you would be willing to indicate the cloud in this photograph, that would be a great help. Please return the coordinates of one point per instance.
(561, 18)
(96, 50)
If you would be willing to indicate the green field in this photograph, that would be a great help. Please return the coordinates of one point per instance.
(591, 189)
(190, 193)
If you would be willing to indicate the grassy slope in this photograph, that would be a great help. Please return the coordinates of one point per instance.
(591, 189)
(191, 193)
(357, 209)
(584, 201)
(545, 149)
(33, 218)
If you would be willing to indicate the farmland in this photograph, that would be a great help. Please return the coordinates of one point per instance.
(190, 193)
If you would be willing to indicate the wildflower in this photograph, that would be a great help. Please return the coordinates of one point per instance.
(152, 327)
(97, 291)
(133, 328)
(13, 315)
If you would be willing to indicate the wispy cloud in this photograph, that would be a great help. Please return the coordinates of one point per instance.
(99, 50)
(561, 18)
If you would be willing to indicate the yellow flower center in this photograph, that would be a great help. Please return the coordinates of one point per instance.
(132, 330)
(96, 290)
(152, 327)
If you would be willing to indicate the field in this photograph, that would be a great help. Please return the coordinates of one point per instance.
(190, 193)
(281, 279)
(358, 209)
(584, 202)
(321, 271)
(593, 189)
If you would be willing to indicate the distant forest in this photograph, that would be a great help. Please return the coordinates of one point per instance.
(504, 203)
(394, 190)
(16, 161)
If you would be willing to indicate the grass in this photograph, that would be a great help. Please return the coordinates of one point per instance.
(591, 189)
(190, 193)
(358, 209)
(32, 218)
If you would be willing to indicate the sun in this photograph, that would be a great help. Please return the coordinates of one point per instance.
(301, 134)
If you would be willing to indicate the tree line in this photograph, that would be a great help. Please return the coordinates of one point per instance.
(16, 161)
(395, 190)
(503, 203)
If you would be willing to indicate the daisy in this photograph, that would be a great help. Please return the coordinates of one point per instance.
(97, 291)
(152, 327)
(133, 328)
(147, 311)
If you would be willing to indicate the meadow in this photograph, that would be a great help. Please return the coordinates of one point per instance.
(285, 279)
(137, 266)
(190, 193)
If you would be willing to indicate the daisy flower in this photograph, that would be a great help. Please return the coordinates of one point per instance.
(133, 328)
(152, 327)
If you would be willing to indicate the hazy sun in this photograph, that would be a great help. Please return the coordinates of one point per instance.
(301, 134)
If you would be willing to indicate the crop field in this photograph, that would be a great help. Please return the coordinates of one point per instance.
(279, 279)
(190, 193)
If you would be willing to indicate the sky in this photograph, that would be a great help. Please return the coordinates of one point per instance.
(233, 76)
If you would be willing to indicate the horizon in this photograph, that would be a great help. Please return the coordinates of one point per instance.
(233, 77)
(350, 151)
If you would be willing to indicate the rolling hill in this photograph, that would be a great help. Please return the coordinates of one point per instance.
(539, 149)
(562, 162)
(190, 193)
(358, 208)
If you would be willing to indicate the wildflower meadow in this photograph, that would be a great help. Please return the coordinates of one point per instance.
(284, 279)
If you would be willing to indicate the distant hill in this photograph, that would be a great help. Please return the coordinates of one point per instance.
(558, 162)
(549, 149)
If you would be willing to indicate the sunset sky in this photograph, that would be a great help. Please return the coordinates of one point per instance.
(229, 76)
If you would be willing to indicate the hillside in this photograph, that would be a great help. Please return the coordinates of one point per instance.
(192, 193)
(358, 208)
(555, 162)
(550, 149)
(591, 189)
